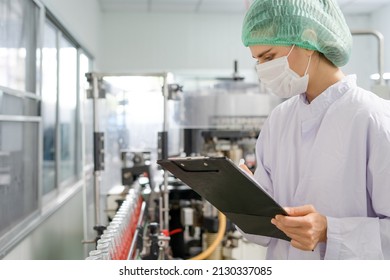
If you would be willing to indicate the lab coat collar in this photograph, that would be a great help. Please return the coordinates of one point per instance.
(322, 102)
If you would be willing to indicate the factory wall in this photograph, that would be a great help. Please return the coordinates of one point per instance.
(201, 44)
(82, 19)
(150, 42)
(380, 22)
(363, 60)
(58, 237)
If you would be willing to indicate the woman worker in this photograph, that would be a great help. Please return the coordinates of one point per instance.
(324, 153)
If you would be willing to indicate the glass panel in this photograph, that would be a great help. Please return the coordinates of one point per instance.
(18, 43)
(18, 172)
(68, 102)
(133, 116)
(49, 103)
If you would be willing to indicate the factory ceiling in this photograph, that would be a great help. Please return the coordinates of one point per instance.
(218, 6)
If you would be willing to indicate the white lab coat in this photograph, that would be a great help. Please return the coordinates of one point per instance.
(333, 153)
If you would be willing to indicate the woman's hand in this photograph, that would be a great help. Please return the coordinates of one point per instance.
(304, 225)
(246, 169)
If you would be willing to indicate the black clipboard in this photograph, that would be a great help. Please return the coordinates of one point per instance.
(231, 190)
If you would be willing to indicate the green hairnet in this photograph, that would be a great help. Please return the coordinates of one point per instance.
(311, 24)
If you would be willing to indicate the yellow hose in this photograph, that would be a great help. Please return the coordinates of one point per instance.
(218, 239)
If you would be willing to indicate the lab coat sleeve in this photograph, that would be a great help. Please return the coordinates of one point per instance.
(367, 237)
(262, 176)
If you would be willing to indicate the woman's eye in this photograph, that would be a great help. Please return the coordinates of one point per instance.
(265, 58)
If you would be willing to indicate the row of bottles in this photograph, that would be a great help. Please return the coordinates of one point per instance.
(116, 240)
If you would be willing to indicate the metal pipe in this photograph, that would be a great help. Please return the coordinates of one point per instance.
(96, 174)
(161, 211)
(381, 50)
(165, 128)
(101, 75)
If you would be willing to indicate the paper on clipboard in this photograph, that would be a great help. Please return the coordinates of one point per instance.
(230, 190)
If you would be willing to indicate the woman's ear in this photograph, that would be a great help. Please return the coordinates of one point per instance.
(309, 52)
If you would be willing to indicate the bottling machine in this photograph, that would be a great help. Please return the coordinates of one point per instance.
(142, 211)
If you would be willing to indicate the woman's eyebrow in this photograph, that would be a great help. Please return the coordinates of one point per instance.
(262, 54)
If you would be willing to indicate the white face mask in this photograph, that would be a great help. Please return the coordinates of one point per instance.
(280, 79)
